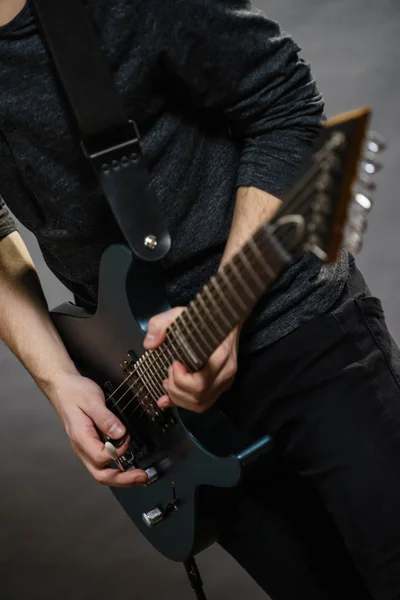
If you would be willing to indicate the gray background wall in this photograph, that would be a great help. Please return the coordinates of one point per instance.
(63, 536)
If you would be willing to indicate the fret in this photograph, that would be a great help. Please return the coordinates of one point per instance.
(210, 296)
(188, 331)
(195, 309)
(148, 383)
(184, 343)
(241, 281)
(225, 301)
(222, 273)
(159, 352)
(274, 240)
(191, 356)
(260, 257)
(171, 356)
(171, 341)
(198, 332)
(205, 308)
(150, 363)
(154, 371)
(247, 264)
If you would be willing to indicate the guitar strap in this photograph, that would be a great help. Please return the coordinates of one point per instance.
(110, 138)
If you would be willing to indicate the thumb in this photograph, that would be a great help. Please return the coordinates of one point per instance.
(105, 420)
(158, 326)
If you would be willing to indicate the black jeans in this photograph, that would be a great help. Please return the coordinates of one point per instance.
(322, 519)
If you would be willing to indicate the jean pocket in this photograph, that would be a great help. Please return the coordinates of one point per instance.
(374, 318)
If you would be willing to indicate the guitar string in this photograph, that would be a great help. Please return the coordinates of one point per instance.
(157, 375)
(148, 399)
(293, 199)
(310, 176)
(158, 382)
(147, 368)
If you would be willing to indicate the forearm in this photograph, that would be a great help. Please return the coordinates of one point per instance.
(252, 209)
(27, 329)
(25, 324)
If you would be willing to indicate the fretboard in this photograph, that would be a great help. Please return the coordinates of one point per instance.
(224, 302)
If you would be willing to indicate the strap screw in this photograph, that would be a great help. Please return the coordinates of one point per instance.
(151, 242)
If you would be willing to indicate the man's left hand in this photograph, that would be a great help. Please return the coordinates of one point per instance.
(194, 391)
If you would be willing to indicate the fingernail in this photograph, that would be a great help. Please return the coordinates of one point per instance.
(165, 384)
(163, 404)
(116, 430)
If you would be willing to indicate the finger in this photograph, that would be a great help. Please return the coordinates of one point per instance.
(199, 402)
(221, 355)
(177, 397)
(165, 402)
(224, 379)
(115, 478)
(200, 381)
(104, 419)
(85, 437)
(190, 383)
(158, 325)
(184, 388)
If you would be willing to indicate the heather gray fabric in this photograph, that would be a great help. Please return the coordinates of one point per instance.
(222, 100)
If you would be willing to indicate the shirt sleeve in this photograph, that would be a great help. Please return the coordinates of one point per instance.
(230, 57)
(7, 224)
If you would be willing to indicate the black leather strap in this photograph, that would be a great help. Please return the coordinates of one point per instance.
(109, 139)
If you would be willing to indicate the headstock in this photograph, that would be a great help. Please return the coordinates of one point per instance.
(330, 201)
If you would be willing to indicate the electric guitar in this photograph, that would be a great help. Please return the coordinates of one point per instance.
(191, 458)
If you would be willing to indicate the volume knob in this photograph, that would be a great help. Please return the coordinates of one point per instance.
(152, 475)
(153, 517)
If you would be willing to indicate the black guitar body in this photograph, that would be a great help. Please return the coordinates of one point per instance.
(195, 456)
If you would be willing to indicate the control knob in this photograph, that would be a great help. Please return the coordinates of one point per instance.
(153, 517)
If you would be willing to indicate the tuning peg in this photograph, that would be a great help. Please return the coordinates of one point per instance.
(375, 142)
(363, 202)
(359, 210)
(370, 166)
(354, 241)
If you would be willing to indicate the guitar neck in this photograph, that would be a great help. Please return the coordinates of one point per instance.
(226, 300)
(311, 220)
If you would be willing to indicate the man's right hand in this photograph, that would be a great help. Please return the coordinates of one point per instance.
(80, 403)
(29, 332)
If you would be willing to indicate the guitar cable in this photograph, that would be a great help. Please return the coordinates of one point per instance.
(195, 578)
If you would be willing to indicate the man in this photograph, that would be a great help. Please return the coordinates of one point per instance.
(226, 109)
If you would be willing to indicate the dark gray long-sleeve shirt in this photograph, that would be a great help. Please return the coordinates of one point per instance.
(222, 100)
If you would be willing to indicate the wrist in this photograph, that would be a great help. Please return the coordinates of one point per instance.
(51, 381)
